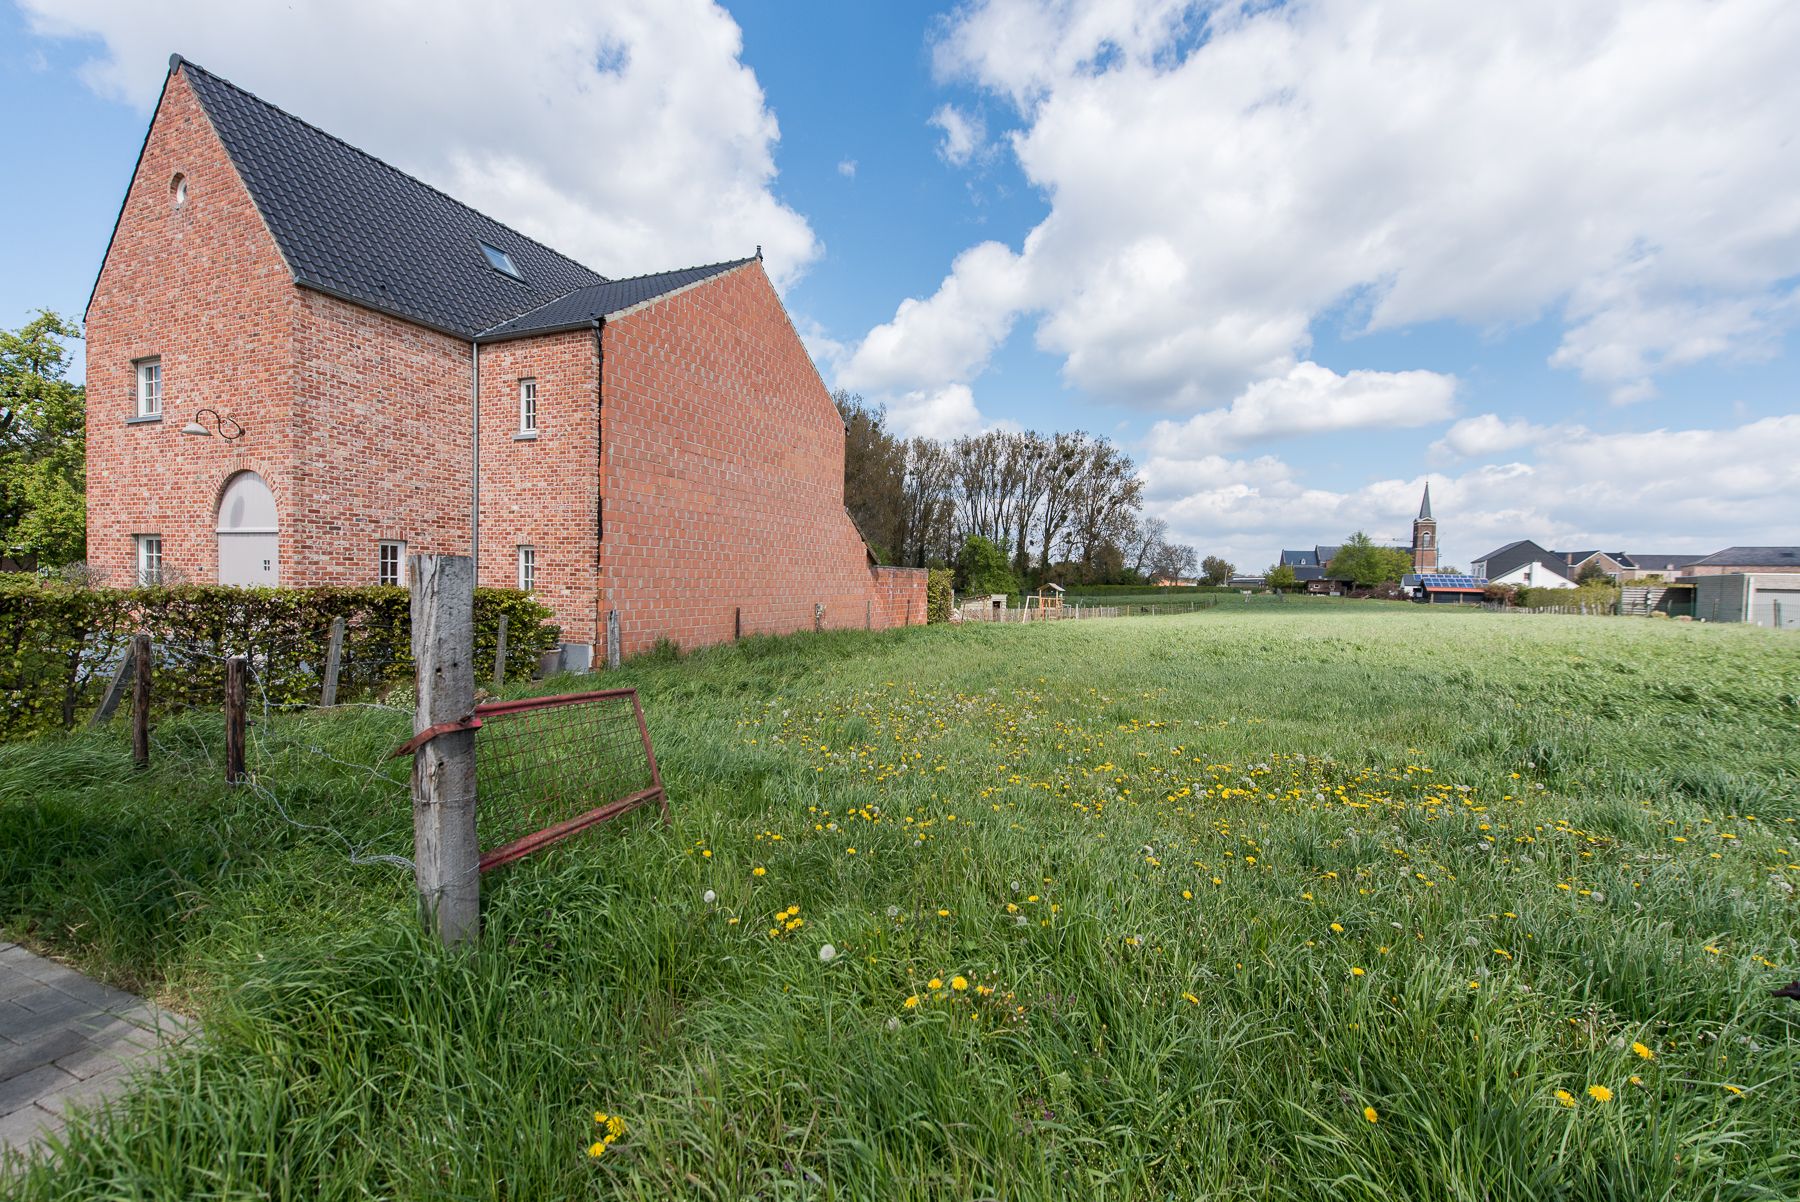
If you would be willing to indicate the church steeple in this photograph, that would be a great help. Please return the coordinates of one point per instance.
(1424, 540)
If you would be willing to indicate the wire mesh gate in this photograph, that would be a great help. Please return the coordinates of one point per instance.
(550, 767)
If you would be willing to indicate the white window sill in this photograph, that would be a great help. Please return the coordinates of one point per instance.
(526, 436)
(143, 419)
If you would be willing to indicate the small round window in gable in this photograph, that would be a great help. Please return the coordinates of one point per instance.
(178, 189)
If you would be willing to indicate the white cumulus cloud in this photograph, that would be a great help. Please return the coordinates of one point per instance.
(964, 134)
(632, 137)
(1488, 434)
(1311, 399)
(1222, 177)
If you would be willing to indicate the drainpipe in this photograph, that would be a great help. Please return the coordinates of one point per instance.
(475, 457)
(599, 462)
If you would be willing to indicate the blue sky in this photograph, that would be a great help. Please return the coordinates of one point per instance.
(1297, 258)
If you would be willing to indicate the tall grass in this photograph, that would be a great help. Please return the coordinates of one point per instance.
(1155, 852)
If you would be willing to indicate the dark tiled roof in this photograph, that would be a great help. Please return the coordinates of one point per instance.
(349, 224)
(582, 306)
(1751, 557)
(1300, 559)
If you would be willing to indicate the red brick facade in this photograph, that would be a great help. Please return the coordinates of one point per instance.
(687, 462)
(723, 470)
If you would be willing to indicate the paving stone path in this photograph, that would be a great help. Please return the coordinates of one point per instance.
(67, 1040)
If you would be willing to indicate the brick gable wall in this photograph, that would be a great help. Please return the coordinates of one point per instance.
(202, 286)
(723, 477)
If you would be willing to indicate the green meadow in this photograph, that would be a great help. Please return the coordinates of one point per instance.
(1273, 901)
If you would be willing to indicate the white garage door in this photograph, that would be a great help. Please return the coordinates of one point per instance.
(249, 534)
(1776, 607)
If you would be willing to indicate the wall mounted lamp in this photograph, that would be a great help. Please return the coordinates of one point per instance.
(223, 426)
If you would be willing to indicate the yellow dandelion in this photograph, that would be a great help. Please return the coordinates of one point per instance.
(1369, 1113)
(1643, 1053)
(1635, 1079)
(934, 983)
(1474, 984)
(596, 1148)
(1337, 928)
(599, 1116)
(1599, 1093)
(943, 913)
(959, 983)
(1566, 1098)
(1192, 1000)
(1732, 1089)
(912, 1002)
(707, 853)
(1356, 972)
(759, 870)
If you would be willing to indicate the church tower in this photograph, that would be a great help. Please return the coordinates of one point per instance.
(1424, 544)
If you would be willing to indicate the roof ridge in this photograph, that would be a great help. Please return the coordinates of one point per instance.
(178, 60)
(627, 279)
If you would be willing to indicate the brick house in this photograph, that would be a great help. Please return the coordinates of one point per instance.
(304, 364)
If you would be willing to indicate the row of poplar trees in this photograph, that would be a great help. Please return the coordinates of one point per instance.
(1066, 507)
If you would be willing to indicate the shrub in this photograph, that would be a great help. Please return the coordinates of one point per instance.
(940, 586)
(59, 643)
(983, 568)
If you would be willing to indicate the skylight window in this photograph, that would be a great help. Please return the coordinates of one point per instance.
(499, 260)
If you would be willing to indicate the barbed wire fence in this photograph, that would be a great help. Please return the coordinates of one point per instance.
(270, 742)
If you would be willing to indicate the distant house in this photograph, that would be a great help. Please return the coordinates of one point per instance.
(1760, 598)
(1444, 588)
(1526, 564)
(1667, 566)
(1745, 559)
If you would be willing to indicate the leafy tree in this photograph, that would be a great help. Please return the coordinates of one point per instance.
(874, 476)
(43, 444)
(1174, 561)
(1215, 570)
(1282, 578)
(982, 568)
(1365, 565)
(1593, 573)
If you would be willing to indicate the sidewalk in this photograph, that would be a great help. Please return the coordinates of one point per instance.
(67, 1040)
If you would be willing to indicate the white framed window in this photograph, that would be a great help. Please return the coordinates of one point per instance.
(149, 387)
(390, 563)
(528, 406)
(149, 558)
(527, 568)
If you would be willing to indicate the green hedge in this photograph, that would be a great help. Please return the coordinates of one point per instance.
(60, 643)
(940, 586)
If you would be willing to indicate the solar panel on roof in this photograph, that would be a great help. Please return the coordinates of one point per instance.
(1441, 580)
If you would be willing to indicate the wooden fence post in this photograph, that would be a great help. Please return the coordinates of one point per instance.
(500, 655)
(140, 700)
(334, 659)
(237, 672)
(737, 623)
(446, 854)
(115, 691)
(818, 615)
(612, 638)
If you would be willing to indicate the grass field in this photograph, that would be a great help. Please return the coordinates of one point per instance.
(1266, 902)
